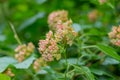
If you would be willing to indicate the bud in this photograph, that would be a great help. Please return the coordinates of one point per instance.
(65, 33)
(48, 47)
(38, 63)
(114, 36)
(24, 51)
(55, 17)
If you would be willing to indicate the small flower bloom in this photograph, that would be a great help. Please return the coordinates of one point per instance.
(48, 57)
(65, 33)
(48, 47)
(38, 63)
(114, 36)
(49, 35)
(54, 17)
(24, 51)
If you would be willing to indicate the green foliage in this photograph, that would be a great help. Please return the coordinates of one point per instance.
(25, 64)
(31, 20)
(109, 51)
(86, 72)
(91, 57)
(5, 62)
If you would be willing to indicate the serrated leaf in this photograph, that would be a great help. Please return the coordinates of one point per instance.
(109, 61)
(4, 77)
(41, 72)
(88, 73)
(109, 51)
(25, 64)
(98, 72)
(5, 62)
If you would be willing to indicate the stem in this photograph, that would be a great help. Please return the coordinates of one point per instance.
(65, 55)
(71, 71)
(84, 72)
(15, 33)
(79, 50)
(92, 46)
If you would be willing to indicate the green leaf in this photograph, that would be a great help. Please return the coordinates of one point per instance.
(109, 51)
(31, 20)
(110, 5)
(85, 71)
(41, 72)
(5, 62)
(25, 64)
(76, 27)
(2, 38)
(69, 60)
(110, 61)
(88, 73)
(4, 77)
(97, 71)
(100, 72)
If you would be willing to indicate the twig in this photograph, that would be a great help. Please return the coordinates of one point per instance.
(15, 33)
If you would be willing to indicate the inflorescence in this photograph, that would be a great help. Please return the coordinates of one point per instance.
(114, 36)
(61, 32)
(24, 51)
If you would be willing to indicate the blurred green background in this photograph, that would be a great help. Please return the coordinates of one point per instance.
(30, 18)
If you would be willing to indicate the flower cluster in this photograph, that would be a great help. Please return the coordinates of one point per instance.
(114, 36)
(62, 27)
(57, 16)
(9, 72)
(38, 63)
(61, 32)
(24, 51)
(49, 48)
(65, 33)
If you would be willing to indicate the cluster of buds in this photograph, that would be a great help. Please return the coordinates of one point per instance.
(9, 72)
(59, 23)
(65, 33)
(24, 51)
(114, 36)
(38, 63)
(56, 16)
(92, 16)
(49, 48)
